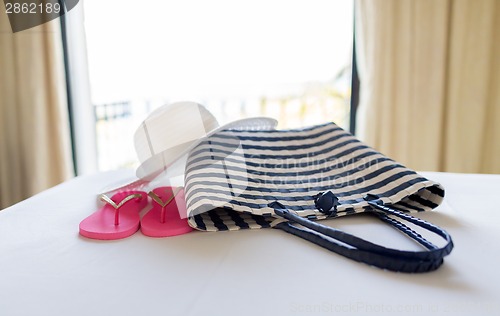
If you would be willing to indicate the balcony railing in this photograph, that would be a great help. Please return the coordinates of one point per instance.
(116, 122)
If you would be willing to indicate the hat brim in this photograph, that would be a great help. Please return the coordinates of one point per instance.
(167, 161)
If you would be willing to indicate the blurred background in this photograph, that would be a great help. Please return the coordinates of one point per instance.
(287, 60)
(416, 79)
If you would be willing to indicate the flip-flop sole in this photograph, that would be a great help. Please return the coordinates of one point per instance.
(175, 216)
(101, 224)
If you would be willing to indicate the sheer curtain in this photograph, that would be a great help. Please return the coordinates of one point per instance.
(430, 82)
(35, 150)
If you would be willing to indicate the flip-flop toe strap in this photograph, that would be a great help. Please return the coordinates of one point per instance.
(163, 204)
(117, 207)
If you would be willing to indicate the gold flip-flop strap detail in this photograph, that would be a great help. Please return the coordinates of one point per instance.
(106, 199)
(158, 200)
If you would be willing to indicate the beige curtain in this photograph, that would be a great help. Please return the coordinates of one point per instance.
(430, 82)
(35, 151)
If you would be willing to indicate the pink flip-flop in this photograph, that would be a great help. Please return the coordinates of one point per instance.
(118, 218)
(167, 217)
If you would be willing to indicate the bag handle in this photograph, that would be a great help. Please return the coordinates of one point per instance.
(362, 250)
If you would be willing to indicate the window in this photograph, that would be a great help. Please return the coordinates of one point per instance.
(288, 60)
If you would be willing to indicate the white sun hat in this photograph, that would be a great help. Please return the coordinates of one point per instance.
(164, 139)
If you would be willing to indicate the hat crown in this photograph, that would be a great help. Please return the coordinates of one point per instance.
(172, 127)
(168, 134)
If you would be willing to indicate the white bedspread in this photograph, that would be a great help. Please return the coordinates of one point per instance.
(46, 268)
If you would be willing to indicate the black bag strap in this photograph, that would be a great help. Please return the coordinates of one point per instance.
(367, 252)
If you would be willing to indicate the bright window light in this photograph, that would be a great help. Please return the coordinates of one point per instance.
(285, 59)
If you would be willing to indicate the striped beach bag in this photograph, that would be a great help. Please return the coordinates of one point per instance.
(292, 179)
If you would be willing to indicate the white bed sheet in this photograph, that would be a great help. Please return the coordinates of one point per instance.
(46, 268)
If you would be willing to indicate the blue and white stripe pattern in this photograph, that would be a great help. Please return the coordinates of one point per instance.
(232, 177)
